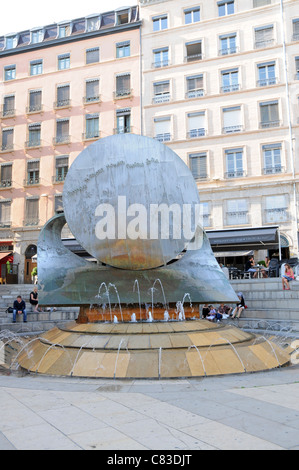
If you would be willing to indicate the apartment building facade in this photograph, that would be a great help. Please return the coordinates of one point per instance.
(216, 81)
(223, 80)
(63, 87)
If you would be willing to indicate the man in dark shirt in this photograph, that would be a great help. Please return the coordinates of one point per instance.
(19, 307)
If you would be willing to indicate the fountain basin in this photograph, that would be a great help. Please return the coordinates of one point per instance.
(155, 350)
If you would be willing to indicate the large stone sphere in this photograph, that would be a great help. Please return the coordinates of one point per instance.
(128, 201)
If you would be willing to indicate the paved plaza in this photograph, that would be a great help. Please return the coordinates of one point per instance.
(248, 411)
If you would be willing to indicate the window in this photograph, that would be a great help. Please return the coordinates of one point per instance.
(61, 167)
(198, 165)
(92, 88)
(232, 120)
(58, 204)
(62, 131)
(7, 139)
(123, 85)
(237, 212)
(295, 36)
(261, 3)
(122, 17)
(11, 42)
(34, 135)
(228, 44)
(64, 31)
(266, 74)
(8, 106)
(160, 23)
(192, 15)
(162, 129)
(93, 55)
(161, 57)
(161, 92)
(123, 49)
(32, 172)
(64, 61)
(9, 72)
(264, 36)
(195, 86)
(205, 213)
(93, 24)
(123, 121)
(193, 51)
(269, 114)
(35, 101)
(37, 36)
(234, 163)
(276, 209)
(230, 80)
(92, 126)
(196, 125)
(6, 175)
(31, 212)
(226, 8)
(297, 68)
(5, 213)
(272, 159)
(63, 96)
(36, 67)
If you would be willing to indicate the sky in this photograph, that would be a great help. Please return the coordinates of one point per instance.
(32, 13)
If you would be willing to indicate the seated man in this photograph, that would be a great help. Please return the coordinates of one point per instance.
(19, 307)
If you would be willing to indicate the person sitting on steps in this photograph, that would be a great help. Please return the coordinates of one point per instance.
(19, 307)
(287, 277)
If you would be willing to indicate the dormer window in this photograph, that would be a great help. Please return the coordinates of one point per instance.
(64, 31)
(122, 17)
(93, 24)
(11, 42)
(37, 36)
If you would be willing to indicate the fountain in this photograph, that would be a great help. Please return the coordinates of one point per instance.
(134, 206)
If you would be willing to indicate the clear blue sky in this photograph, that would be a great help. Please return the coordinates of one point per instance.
(20, 15)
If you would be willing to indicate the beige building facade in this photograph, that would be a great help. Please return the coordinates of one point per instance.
(222, 91)
(216, 81)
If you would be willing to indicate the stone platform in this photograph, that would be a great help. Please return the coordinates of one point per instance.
(150, 350)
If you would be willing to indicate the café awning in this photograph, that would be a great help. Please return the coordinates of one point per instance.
(244, 239)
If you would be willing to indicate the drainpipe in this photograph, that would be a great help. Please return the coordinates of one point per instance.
(295, 241)
(141, 80)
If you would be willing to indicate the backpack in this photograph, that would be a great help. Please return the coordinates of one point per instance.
(9, 310)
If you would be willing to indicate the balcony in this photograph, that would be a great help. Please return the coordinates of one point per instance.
(269, 124)
(5, 183)
(7, 147)
(61, 139)
(7, 113)
(121, 94)
(163, 137)
(267, 82)
(193, 57)
(273, 170)
(62, 104)
(31, 222)
(227, 51)
(264, 43)
(33, 143)
(198, 93)
(232, 129)
(194, 133)
(230, 88)
(59, 178)
(90, 135)
(234, 174)
(34, 109)
(5, 224)
(237, 218)
(123, 130)
(32, 181)
(91, 99)
(276, 215)
(163, 98)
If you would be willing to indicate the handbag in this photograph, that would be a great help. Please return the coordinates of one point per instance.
(9, 310)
